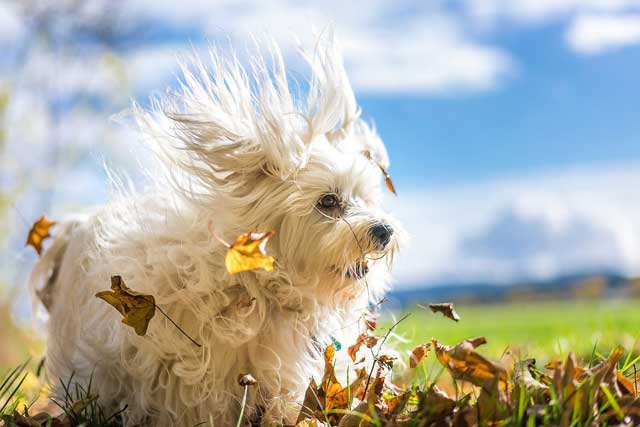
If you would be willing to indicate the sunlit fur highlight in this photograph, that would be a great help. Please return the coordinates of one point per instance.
(238, 151)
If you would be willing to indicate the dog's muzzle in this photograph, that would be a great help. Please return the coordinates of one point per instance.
(380, 234)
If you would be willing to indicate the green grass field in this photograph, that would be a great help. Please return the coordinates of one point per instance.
(540, 330)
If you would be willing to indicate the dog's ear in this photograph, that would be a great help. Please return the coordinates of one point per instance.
(225, 121)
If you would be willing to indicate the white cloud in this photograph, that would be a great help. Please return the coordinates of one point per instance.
(594, 26)
(527, 228)
(535, 11)
(427, 51)
(11, 26)
(593, 34)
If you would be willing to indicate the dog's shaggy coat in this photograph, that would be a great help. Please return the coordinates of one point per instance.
(238, 152)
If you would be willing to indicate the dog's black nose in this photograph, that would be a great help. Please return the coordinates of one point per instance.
(381, 233)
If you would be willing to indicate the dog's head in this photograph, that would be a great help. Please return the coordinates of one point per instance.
(332, 224)
(249, 155)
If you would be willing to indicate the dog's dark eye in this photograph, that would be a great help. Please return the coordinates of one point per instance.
(329, 201)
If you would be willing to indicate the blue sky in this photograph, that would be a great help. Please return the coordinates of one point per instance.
(513, 126)
(558, 109)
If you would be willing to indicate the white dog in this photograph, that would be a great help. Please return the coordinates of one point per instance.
(238, 152)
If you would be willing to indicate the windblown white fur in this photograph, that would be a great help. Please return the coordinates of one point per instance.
(238, 152)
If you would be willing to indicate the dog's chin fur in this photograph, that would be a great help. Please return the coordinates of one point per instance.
(237, 153)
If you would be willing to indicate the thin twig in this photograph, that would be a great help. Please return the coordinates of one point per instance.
(179, 328)
(375, 359)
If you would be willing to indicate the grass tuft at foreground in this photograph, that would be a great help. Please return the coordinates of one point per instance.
(580, 378)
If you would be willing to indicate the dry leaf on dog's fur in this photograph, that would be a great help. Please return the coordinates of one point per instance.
(137, 309)
(387, 180)
(248, 252)
(387, 177)
(447, 310)
(39, 231)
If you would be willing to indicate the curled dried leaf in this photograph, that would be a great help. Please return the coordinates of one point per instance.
(446, 308)
(137, 309)
(371, 321)
(368, 340)
(248, 252)
(418, 354)
(246, 380)
(38, 232)
(385, 361)
(464, 363)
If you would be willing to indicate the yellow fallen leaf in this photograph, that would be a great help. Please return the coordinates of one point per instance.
(39, 231)
(137, 309)
(248, 253)
(339, 397)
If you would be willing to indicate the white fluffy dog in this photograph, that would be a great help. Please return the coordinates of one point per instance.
(238, 151)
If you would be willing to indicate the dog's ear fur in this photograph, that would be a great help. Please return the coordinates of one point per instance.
(225, 122)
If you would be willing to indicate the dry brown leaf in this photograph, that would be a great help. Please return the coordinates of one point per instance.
(341, 398)
(38, 232)
(330, 387)
(625, 384)
(418, 354)
(248, 252)
(606, 372)
(466, 415)
(396, 405)
(368, 340)
(435, 407)
(330, 396)
(311, 402)
(137, 309)
(477, 341)
(371, 321)
(387, 180)
(464, 363)
(446, 308)
(352, 351)
(492, 404)
(329, 376)
(526, 384)
(385, 361)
